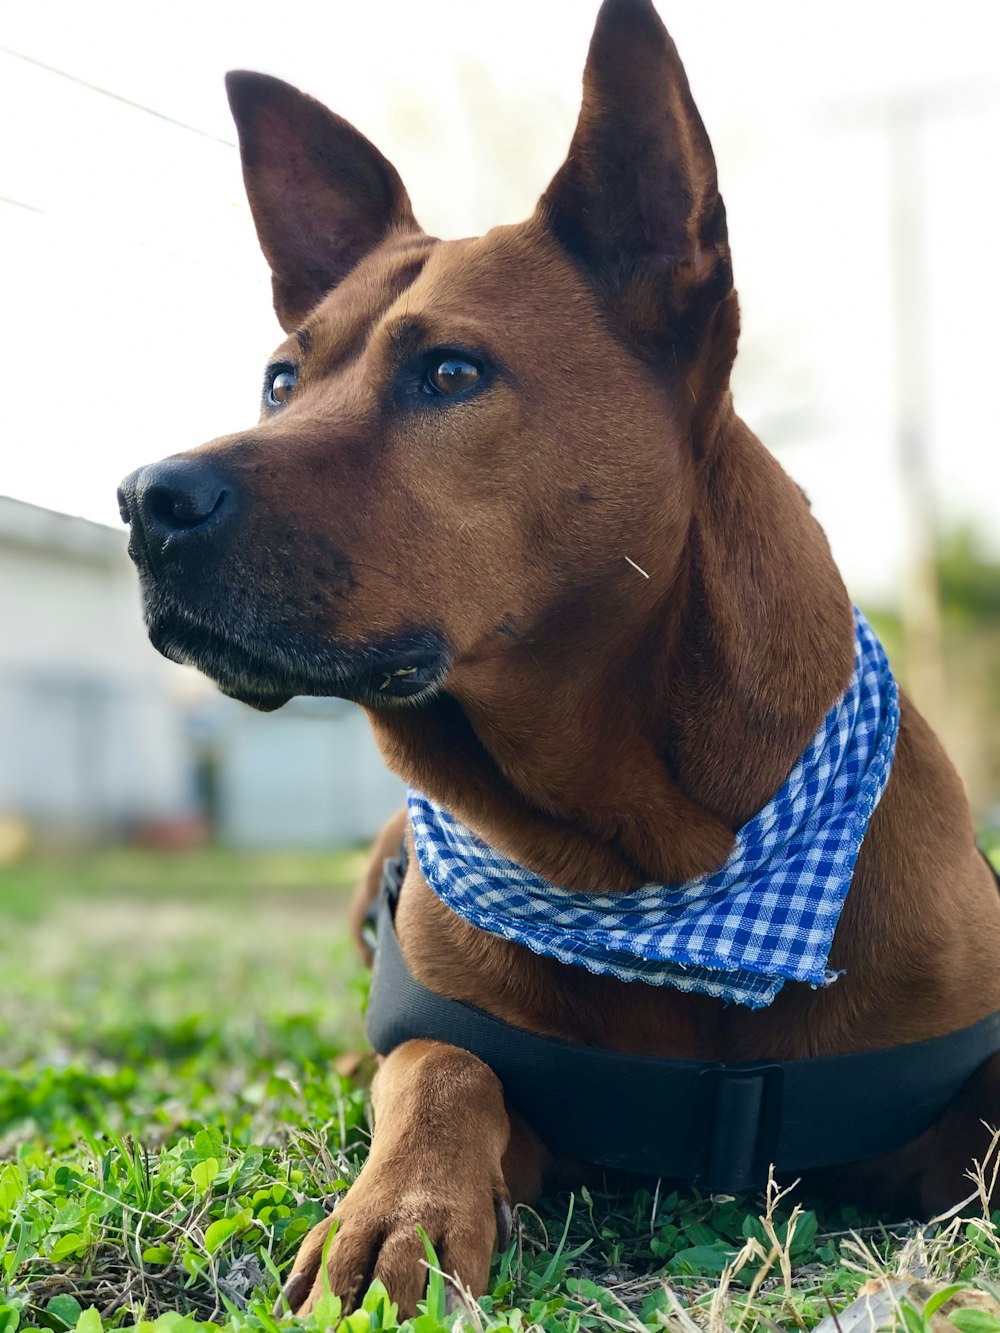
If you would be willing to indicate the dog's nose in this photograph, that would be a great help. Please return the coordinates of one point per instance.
(175, 499)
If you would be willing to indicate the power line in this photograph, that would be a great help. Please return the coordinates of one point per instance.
(116, 97)
(19, 203)
(67, 220)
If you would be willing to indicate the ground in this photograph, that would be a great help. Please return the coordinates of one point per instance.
(182, 1094)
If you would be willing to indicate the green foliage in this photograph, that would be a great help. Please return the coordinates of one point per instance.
(975, 1321)
(968, 579)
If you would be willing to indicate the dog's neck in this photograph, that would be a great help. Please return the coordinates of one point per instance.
(626, 739)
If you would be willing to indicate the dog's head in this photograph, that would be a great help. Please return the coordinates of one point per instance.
(460, 441)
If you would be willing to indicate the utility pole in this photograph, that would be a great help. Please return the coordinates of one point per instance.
(920, 600)
(904, 118)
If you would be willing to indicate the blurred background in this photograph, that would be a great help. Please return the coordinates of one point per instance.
(857, 152)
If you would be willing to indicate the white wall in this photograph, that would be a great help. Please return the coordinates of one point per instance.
(309, 775)
(90, 736)
(99, 733)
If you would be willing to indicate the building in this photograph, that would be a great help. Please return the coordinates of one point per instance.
(101, 737)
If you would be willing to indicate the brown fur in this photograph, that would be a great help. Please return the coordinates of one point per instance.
(598, 725)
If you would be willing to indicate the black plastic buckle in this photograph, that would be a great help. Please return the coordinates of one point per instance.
(742, 1115)
(393, 874)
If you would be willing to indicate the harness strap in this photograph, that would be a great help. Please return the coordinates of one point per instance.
(709, 1123)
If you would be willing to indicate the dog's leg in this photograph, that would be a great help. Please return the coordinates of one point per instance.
(963, 1135)
(934, 1173)
(446, 1155)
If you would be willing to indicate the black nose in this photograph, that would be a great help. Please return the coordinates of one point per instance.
(175, 500)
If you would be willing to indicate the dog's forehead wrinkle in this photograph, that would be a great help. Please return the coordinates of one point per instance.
(341, 325)
(496, 291)
(513, 282)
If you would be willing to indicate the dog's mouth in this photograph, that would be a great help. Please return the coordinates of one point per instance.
(265, 665)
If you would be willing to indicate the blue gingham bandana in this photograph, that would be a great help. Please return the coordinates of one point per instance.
(768, 915)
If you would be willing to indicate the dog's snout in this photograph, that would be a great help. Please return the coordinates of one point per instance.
(176, 499)
(179, 502)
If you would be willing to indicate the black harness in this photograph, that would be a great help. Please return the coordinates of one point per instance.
(713, 1124)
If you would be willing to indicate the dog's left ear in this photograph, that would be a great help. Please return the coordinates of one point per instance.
(636, 204)
(321, 195)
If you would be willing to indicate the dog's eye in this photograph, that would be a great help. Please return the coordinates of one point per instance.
(280, 383)
(451, 374)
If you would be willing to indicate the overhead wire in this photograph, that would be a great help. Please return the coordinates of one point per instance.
(19, 203)
(116, 97)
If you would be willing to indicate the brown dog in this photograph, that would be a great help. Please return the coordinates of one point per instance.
(465, 449)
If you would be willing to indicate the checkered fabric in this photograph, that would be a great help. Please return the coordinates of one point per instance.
(767, 916)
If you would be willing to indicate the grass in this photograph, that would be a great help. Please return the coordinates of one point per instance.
(182, 1094)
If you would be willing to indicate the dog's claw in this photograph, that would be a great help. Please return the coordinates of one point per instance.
(291, 1296)
(505, 1221)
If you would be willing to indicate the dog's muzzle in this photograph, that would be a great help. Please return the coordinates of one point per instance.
(213, 599)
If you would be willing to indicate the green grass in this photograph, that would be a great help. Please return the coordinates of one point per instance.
(182, 1094)
(36, 886)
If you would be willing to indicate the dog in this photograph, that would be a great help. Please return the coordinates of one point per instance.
(499, 496)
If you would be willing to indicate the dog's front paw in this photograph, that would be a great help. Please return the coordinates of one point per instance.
(465, 1213)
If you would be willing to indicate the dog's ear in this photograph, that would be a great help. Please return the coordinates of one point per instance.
(321, 195)
(636, 204)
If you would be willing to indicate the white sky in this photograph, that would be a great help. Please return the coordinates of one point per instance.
(134, 306)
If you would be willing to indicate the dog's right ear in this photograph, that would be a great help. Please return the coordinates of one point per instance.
(321, 195)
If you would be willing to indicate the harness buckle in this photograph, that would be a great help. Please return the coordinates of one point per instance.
(742, 1111)
(393, 874)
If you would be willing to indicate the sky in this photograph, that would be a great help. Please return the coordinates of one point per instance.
(135, 312)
